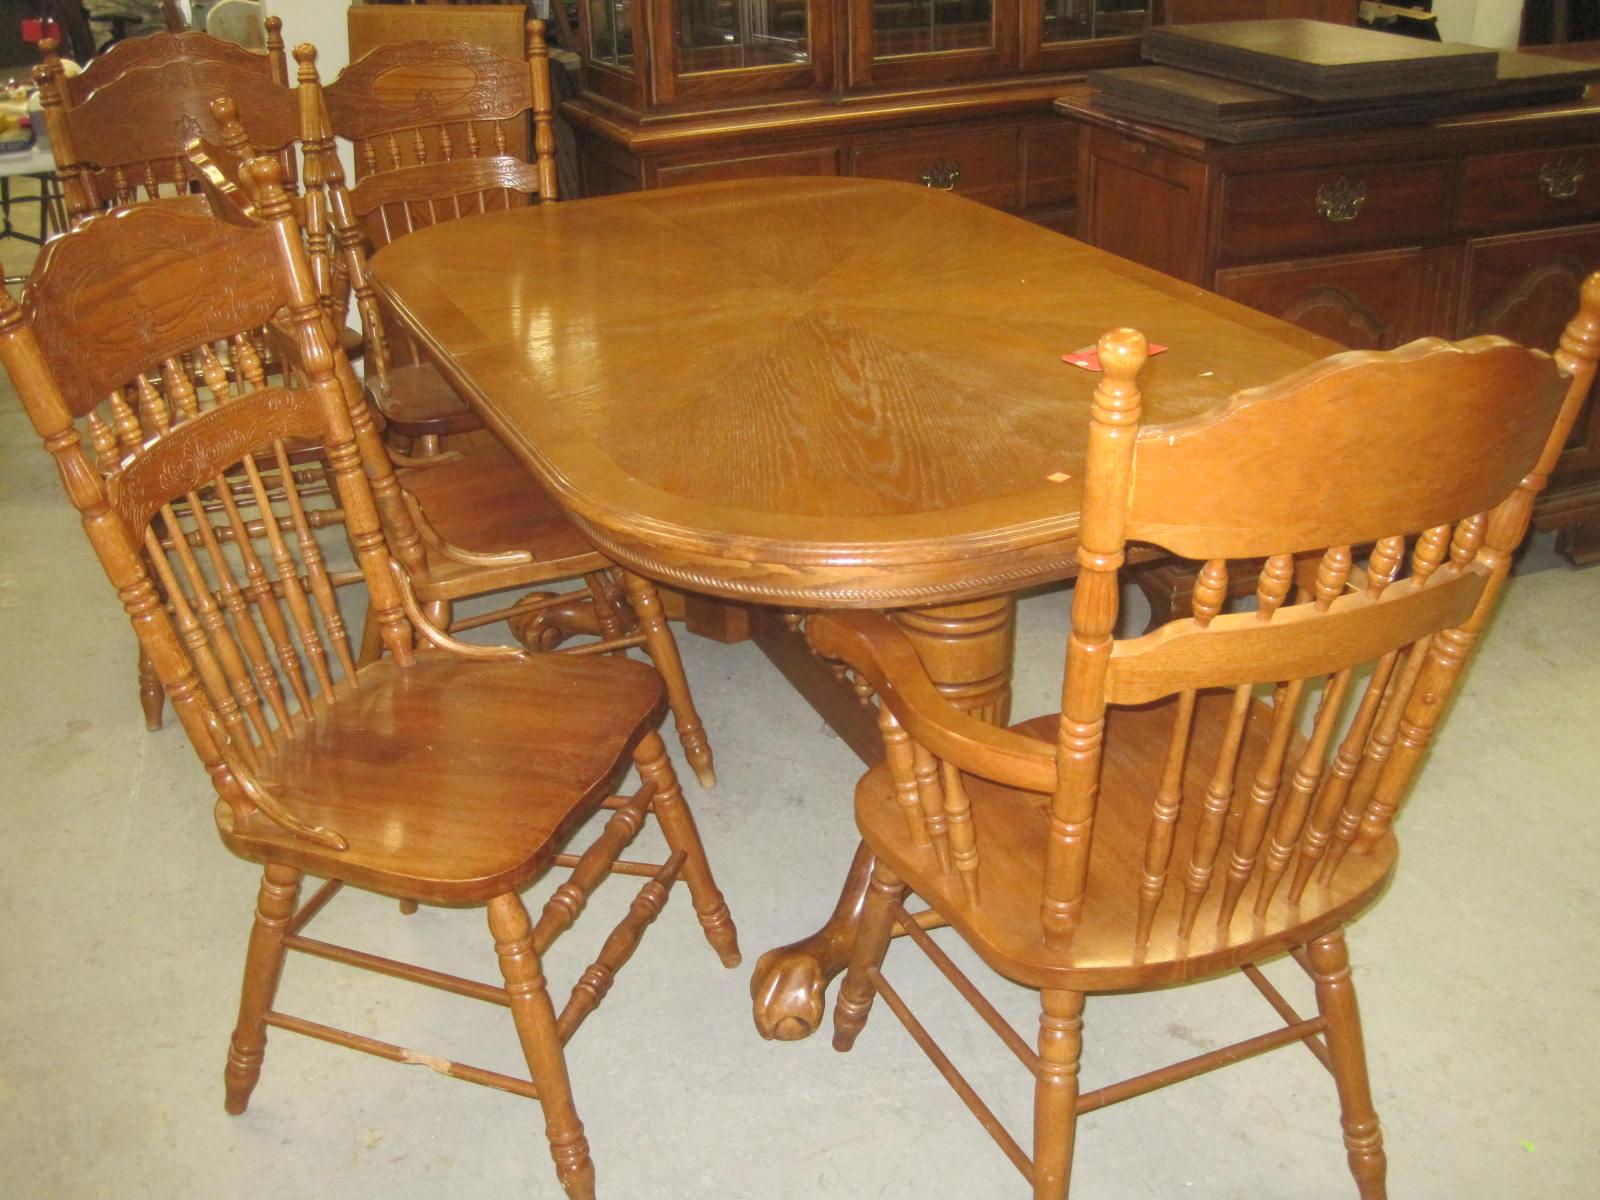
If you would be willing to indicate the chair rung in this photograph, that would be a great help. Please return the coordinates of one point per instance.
(622, 643)
(403, 1054)
(592, 866)
(1286, 1010)
(622, 866)
(925, 918)
(1127, 1089)
(535, 602)
(953, 1077)
(619, 946)
(313, 905)
(969, 991)
(410, 972)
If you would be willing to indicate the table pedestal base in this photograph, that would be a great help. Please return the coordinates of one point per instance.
(967, 649)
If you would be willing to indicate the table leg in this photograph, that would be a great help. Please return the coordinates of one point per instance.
(967, 649)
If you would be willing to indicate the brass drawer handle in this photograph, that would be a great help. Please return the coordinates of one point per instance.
(1559, 180)
(942, 176)
(1341, 200)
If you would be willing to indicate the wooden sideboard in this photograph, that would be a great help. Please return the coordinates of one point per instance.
(1482, 224)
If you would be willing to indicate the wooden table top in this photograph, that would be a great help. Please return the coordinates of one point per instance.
(815, 392)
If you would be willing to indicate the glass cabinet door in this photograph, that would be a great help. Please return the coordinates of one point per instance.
(728, 35)
(611, 33)
(729, 48)
(1077, 20)
(930, 26)
(1054, 30)
(926, 41)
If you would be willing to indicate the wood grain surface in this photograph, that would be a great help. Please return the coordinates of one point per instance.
(829, 392)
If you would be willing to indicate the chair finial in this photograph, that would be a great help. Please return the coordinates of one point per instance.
(264, 181)
(1122, 353)
(305, 54)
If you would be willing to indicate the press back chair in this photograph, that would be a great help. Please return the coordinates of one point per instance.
(119, 132)
(451, 777)
(1194, 807)
(474, 523)
(118, 129)
(450, 107)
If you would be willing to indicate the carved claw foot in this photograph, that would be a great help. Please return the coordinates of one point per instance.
(789, 992)
(789, 987)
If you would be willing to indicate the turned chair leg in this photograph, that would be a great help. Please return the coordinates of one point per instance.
(1055, 1095)
(606, 617)
(280, 886)
(856, 993)
(536, 1028)
(1336, 1001)
(663, 651)
(152, 696)
(677, 825)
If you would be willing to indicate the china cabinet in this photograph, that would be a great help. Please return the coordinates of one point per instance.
(951, 94)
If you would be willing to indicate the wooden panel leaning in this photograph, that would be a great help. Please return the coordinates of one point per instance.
(446, 106)
(118, 129)
(451, 777)
(1222, 789)
(471, 522)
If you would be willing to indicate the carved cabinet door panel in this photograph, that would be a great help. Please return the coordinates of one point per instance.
(1524, 286)
(1372, 301)
(1143, 203)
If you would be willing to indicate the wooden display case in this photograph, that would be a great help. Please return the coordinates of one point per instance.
(951, 94)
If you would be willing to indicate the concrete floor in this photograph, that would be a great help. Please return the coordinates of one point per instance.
(124, 928)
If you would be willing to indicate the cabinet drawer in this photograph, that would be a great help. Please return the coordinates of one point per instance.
(1334, 208)
(980, 164)
(1534, 187)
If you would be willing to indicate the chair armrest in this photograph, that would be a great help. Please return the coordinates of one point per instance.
(439, 637)
(876, 648)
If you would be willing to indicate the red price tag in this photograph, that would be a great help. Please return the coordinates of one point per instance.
(1089, 358)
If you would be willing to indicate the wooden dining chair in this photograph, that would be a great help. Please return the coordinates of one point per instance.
(451, 107)
(118, 129)
(1222, 790)
(452, 777)
(474, 522)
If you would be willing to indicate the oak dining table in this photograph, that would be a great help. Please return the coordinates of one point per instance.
(811, 393)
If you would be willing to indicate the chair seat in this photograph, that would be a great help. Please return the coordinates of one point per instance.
(1012, 828)
(452, 781)
(419, 403)
(487, 503)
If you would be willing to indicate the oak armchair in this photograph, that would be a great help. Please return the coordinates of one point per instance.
(1221, 790)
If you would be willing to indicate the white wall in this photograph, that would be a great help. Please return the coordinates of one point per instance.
(1496, 23)
(320, 22)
